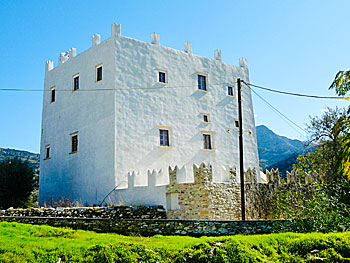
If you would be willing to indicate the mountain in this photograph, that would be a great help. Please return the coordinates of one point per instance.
(32, 158)
(275, 149)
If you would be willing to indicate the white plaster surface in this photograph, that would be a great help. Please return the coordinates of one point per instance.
(118, 129)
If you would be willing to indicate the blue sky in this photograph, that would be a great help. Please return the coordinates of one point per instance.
(296, 46)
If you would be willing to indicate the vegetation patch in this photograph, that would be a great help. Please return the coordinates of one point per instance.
(30, 243)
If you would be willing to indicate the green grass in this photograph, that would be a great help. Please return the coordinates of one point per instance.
(29, 243)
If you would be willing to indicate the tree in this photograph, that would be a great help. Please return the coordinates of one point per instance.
(325, 205)
(326, 134)
(341, 85)
(16, 183)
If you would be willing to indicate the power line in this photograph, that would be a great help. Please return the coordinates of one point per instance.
(186, 86)
(295, 94)
(116, 89)
(281, 115)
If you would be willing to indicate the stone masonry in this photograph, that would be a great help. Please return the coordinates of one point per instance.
(207, 200)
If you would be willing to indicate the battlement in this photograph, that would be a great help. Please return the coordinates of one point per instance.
(155, 40)
(199, 197)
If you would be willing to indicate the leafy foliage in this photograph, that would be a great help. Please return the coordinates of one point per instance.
(325, 205)
(28, 243)
(328, 135)
(341, 83)
(320, 207)
(342, 133)
(16, 183)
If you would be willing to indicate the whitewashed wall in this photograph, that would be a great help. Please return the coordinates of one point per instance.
(118, 130)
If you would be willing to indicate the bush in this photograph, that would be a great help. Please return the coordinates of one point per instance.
(16, 183)
(320, 208)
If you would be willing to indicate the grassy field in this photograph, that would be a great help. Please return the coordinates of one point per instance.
(29, 243)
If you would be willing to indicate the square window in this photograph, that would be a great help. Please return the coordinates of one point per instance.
(229, 91)
(47, 152)
(53, 95)
(162, 77)
(205, 118)
(202, 82)
(207, 142)
(99, 73)
(74, 139)
(76, 83)
(164, 137)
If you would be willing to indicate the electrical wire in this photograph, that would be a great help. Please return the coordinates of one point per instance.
(281, 115)
(116, 89)
(294, 94)
(188, 86)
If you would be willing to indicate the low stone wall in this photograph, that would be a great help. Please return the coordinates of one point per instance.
(117, 212)
(149, 227)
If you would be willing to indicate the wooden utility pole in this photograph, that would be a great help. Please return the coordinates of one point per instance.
(241, 168)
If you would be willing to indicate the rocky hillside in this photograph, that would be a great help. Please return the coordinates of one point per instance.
(275, 149)
(32, 158)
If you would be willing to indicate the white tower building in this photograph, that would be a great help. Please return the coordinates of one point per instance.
(125, 105)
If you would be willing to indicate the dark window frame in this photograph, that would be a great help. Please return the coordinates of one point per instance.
(53, 95)
(76, 81)
(99, 75)
(230, 91)
(202, 82)
(74, 143)
(162, 77)
(164, 140)
(47, 152)
(205, 118)
(207, 142)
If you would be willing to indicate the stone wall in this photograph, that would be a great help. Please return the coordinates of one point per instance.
(118, 212)
(148, 227)
(261, 198)
(204, 199)
(207, 200)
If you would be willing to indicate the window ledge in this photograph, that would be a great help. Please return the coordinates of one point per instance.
(162, 83)
(73, 152)
(208, 150)
(165, 147)
(202, 90)
(47, 159)
(75, 90)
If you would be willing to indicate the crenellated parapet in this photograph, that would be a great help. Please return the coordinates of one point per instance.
(155, 40)
(273, 176)
(65, 56)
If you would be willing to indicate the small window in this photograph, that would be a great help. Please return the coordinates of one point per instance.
(47, 152)
(53, 95)
(74, 138)
(202, 82)
(207, 142)
(205, 118)
(229, 91)
(164, 137)
(162, 77)
(76, 82)
(99, 73)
